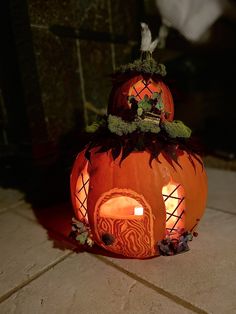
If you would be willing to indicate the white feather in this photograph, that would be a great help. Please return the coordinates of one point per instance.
(153, 45)
(146, 37)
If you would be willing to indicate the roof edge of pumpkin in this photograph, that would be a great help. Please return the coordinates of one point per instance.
(145, 66)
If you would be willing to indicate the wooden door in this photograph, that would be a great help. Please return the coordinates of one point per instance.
(126, 218)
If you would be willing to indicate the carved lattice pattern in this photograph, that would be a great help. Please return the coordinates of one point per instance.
(82, 197)
(174, 202)
(142, 88)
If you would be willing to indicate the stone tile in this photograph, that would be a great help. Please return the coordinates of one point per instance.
(88, 15)
(84, 284)
(52, 12)
(25, 251)
(97, 66)
(55, 219)
(222, 189)
(57, 64)
(126, 18)
(204, 276)
(9, 198)
(25, 209)
(219, 163)
(124, 54)
(92, 15)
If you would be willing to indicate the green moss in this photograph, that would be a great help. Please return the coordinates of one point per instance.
(92, 128)
(120, 127)
(147, 126)
(145, 66)
(176, 128)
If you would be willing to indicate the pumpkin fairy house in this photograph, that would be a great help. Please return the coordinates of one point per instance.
(138, 188)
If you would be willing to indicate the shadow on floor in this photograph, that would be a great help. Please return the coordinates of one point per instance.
(46, 187)
(56, 220)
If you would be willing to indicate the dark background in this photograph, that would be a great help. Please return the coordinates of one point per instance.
(56, 56)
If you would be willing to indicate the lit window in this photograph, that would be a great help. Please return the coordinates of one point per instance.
(142, 88)
(121, 207)
(173, 196)
(81, 194)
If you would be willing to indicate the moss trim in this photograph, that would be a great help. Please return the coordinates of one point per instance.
(176, 128)
(120, 127)
(148, 66)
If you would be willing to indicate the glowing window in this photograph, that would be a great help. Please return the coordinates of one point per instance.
(173, 195)
(121, 207)
(81, 194)
(142, 88)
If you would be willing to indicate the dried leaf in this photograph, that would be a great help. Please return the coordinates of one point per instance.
(103, 149)
(81, 238)
(72, 234)
(87, 154)
(192, 162)
(199, 160)
(168, 159)
(171, 152)
(116, 151)
(127, 149)
(90, 242)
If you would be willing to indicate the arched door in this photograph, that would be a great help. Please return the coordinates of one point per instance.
(124, 223)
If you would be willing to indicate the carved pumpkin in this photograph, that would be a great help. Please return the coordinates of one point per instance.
(138, 86)
(139, 187)
(131, 207)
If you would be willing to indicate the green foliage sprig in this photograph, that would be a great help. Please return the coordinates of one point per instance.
(81, 232)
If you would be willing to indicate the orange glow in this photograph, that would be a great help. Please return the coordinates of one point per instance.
(173, 196)
(142, 88)
(121, 207)
(138, 211)
(81, 194)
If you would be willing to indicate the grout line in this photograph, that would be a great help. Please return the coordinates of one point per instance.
(150, 285)
(221, 210)
(113, 53)
(45, 27)
(144, 282)
(7, 295)
(26, 217)
(81, 75)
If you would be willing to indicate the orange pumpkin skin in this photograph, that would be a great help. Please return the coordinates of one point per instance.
(137, 236)
(119, 104)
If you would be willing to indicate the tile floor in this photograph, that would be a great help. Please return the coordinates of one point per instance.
(41, 273)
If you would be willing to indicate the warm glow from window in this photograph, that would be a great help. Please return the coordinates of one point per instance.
(81, 194)
(138, 211)
(173, 195)
(121, 207)
(142, 88)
